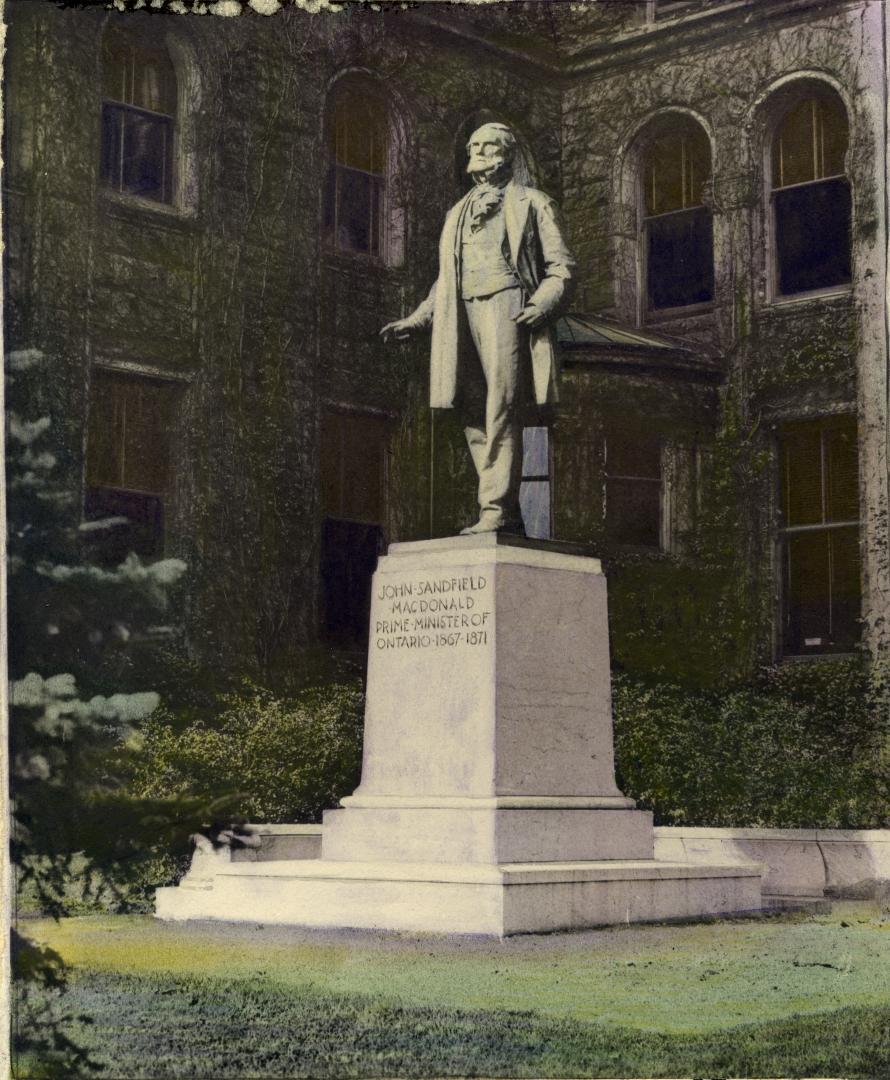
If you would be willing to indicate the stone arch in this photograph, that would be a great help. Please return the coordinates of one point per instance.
(628, 200)
(773, 112)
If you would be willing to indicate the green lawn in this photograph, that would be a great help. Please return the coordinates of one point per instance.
(785, 996)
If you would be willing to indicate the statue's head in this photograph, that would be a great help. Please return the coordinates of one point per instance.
(490, 152)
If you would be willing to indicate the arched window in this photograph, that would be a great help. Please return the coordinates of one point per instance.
(138, 116)
(358, 148)
(811, 199)
(677, 227)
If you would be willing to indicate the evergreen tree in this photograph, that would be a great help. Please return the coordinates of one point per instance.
(75, 701)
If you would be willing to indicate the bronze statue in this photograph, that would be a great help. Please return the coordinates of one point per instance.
(504, 274)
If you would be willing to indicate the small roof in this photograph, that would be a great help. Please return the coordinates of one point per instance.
(605, 341)
(574, 330)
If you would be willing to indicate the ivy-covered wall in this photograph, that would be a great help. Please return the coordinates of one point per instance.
(714, 611)
(235, 296)
(232, 293)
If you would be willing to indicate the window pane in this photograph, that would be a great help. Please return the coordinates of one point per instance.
(112, 146)
(154, 81)
(130, 424)
(846, 589)
(813, 236)
(348, 560)
(834, 138)
(331, 455)
(535, 452)
(105, 450)
(360, 132)
(116, 67)
(822, 591)
(534, 504)
(680, 259)
(146, 158)
(811, 143)
(633, 453)
(633, 511)
(664, 177)
(362, 468)
(144, 532)
(149, 417)
(794, 152)
(355, 192)
(842, 466)
(802, 474)
(677, 167)
(807, 593)
(137, 73)
(352, 462)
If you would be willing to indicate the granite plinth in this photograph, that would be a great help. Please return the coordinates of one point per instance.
(488, 802)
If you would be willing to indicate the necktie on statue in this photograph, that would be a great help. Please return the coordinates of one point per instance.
(486, 202)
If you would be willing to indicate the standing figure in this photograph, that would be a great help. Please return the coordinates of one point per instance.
(504, 275)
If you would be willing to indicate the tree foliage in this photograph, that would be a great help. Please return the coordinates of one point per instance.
(75, 702)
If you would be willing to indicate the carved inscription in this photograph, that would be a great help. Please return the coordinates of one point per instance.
(431, 613)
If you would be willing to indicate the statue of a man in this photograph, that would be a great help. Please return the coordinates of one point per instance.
(504, 274)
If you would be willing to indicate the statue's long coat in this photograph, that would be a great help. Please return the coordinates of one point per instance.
(545, 268)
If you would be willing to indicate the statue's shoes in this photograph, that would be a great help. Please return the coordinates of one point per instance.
(479, 527)
(492, 524)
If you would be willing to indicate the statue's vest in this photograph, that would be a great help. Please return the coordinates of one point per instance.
(484, 266)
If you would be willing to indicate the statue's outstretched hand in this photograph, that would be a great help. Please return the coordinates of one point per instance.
(530, 316)
(400, 330)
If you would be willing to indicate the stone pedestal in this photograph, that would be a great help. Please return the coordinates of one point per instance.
(488, 801)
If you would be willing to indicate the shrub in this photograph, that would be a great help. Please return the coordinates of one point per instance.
(287, 758)
(805, 746)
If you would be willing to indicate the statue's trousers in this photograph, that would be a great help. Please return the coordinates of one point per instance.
(492, 396)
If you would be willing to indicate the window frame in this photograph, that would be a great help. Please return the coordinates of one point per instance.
(173, 123)
(662, 544)
(783, 532)
(660, 127)
(175, 386)
(540, 478)
(338, 636)
(393, 212)
(789, 97)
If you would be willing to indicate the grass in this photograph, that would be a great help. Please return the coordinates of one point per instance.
(785, 996)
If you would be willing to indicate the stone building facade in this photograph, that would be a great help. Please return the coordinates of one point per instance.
(209, 219)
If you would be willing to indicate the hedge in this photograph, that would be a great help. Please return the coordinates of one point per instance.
(804, 746)
(287, 759)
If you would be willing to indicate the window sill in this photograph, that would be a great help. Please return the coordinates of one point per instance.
(835, 295)
(675, 314)
(808, 658)
(136, 210)
(342, 262)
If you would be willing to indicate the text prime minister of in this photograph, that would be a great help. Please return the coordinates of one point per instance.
(505, 273)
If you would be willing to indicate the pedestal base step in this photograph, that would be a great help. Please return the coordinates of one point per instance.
(465, 898)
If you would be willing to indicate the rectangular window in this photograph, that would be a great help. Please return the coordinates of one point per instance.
(534, 492)
(633, 491)
(353, 479)
(820, 536)
(129, 457)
